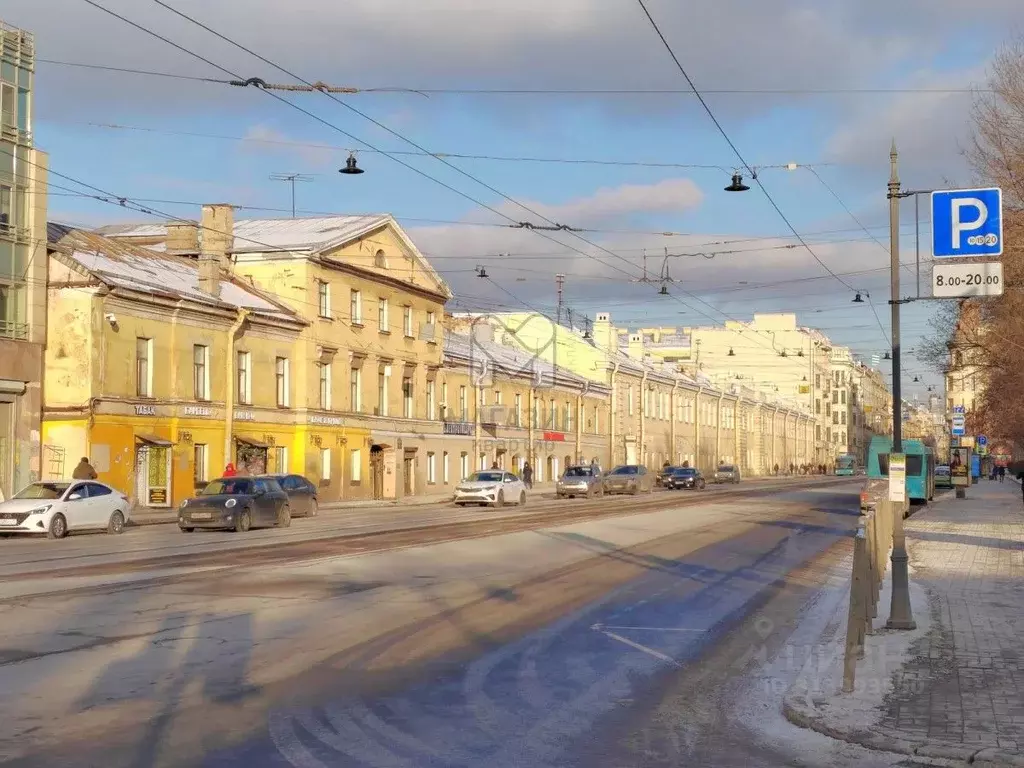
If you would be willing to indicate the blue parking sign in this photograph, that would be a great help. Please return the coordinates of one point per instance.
(967, 222)
(982, 440)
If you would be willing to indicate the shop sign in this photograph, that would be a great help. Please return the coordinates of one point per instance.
(145, 410)
(554, 437)
(897, 477)
(199, 411)
(245, 416)
(158, 497)
(327, 421)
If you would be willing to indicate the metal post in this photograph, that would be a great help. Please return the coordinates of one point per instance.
(917, 240)
(900, 614)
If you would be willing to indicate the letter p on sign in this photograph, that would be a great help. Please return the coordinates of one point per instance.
(967, 222)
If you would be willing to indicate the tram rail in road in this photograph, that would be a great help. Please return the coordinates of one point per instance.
(269, 550)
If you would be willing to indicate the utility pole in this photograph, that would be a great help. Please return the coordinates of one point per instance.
(292, 178)
(900, 614)
(560, 282)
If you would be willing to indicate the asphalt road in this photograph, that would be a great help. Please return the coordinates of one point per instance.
(551, 646)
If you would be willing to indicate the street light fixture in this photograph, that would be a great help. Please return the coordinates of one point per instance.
(351, 169)
(737, 184)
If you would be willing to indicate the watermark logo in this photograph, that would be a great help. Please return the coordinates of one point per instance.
(524, 345)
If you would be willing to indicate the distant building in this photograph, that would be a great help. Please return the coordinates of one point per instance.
(22, 266)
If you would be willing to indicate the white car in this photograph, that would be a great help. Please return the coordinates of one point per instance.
(493, 487)
(57, 507)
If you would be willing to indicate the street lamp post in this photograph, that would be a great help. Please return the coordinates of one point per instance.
(900, 613)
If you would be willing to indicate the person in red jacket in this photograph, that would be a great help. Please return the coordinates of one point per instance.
(229, 470)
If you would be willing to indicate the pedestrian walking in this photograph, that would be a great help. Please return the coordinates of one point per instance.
(1002, 474)
(84, 470)
(527, 475)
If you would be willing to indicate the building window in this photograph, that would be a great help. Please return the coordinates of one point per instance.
(201, 371)
(243, 378)
(323, 290)
(325, 386)
(431, 404)
(444, 468)
(407, 405)
(200, 467)
(325, 464)
(7, 104)
(431, 318)
(143, 369)
(281, 459)
(282, 375)
(6, 213)
(382, 394)
(518, 410)
(356, 465)
(569, 416)
(553, 414)
(407, 321)
(464, 465)
(431, 468)
(463, 411)
(356, 390)
(356, 307)
(482, 461)
(844, 397)
(383, 316)
(380, 260)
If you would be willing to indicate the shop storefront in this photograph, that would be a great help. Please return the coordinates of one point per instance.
(153, 470)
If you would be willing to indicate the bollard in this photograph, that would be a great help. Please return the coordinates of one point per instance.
(855, 616)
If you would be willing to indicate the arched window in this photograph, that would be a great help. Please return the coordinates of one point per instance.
(380, 260)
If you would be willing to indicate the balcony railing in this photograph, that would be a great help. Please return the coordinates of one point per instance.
(10, 330)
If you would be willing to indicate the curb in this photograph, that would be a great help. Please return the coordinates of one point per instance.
(804, 715)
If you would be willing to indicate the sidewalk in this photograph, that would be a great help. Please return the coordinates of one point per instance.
(954, 688)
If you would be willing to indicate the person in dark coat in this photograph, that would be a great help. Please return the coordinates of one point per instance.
(84, 470)
(527, 475)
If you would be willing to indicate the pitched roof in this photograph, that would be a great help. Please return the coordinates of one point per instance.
(494, 357)
(262, 235)
(122, 265)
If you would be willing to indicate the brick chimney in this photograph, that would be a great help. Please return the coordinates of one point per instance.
(217, 240)
(183, 238)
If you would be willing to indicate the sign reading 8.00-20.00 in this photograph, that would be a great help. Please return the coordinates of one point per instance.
(966, 280)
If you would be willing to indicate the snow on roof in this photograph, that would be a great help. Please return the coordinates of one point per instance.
(261, 235)
(122, 265)
(501, 358)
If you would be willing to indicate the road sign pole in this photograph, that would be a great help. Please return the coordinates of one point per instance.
(900, 614)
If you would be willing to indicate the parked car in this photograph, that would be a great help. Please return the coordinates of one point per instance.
(493, 487)
(59, 507)
(629, 478)
(943, 477)
(664, 473)
(580, 481)
(727, 473)
(237, 504)
(686, 477)
(302, 494)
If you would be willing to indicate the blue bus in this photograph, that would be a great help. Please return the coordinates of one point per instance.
(920, 466)
(846, 465)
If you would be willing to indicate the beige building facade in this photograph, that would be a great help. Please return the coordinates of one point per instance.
(22, 266)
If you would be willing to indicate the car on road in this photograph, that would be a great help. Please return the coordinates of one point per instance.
(59, 507)
(492, 487)
(629, 478)
(687, 477)
(664, 473)
(943, 477)
(302, 494)
(584, 480)
(726, 473)
(237, 504)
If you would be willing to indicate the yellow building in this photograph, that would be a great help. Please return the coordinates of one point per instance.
(162, 369)
(365, 370)
(22, 266)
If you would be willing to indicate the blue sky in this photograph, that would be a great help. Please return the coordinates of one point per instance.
(825, 45)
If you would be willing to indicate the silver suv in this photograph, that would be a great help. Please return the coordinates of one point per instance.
(580, 481)
(727, 473)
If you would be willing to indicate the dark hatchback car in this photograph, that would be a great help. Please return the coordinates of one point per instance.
(664, 474)
(237, 504)
(686, 477)
(302, 496)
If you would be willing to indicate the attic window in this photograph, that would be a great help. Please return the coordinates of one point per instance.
(380, 260)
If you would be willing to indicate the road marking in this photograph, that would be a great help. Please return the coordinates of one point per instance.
(642, 648)
(603, 627)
